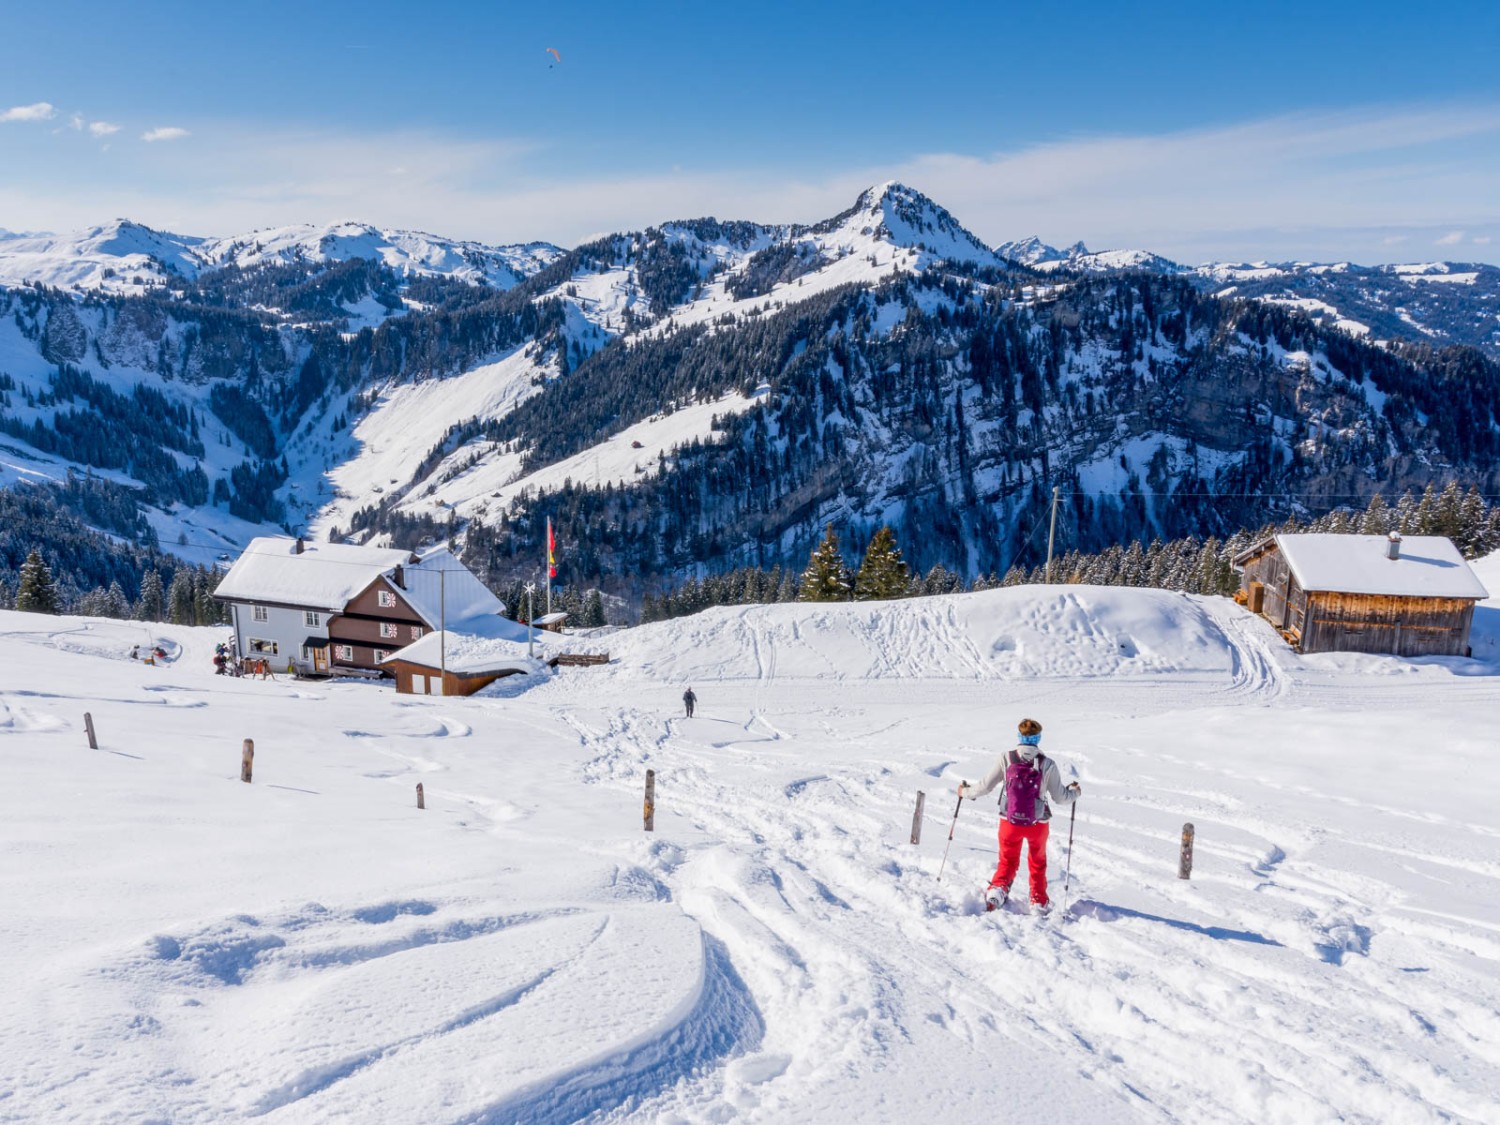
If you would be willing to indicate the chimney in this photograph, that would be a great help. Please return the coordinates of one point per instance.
(399, 577)
(298, 549)
(1393, 545)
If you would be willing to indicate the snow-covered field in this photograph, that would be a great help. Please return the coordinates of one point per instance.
(182, 947)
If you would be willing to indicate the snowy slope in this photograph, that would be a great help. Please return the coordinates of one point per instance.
(406, 252)
(124, 257)
(120, 257)
(1038, 255)
(310, 947)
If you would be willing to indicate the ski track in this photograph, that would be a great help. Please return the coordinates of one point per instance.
(826, 943)
(1126, 991)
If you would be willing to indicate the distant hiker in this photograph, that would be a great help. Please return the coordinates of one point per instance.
(688, 699)
(1027, 780)
(135, 653)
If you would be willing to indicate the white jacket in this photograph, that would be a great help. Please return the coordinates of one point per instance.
(1052, 787)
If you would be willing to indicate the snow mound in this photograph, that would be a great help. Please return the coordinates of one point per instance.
(1029, 631)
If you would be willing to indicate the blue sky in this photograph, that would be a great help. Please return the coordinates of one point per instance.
(1369, 131)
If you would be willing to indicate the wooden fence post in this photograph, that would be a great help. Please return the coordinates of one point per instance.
(247, 760)
(88, 725)
(421, 801)
(916, 818)
(650, 808)
(1185, 859)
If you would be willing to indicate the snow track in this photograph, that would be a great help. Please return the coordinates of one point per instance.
(312, 948)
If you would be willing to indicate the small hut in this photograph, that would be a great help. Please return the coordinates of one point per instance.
(1363, 593)
(469, 656)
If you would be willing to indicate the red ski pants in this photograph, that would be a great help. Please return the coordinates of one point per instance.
(1035, 838)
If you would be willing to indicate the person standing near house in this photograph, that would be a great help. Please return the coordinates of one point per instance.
(688, 700)
(1028, 781)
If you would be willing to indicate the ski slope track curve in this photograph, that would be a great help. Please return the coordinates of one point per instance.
(313, 948)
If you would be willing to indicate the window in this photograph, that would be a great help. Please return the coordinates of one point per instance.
(385, 599)
(387, 630)
(310, 618)
(343, 652)
(261, 613)
(380, 654)
(416, 632)
(260, 646)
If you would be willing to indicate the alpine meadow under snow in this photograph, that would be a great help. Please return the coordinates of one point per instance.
(311, 947)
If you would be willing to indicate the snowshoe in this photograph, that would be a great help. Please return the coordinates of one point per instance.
(995, 898)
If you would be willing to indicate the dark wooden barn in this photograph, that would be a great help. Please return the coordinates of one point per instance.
(1363, 593)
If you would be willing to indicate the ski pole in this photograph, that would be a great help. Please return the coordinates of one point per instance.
(951, 827)
(1068, 869)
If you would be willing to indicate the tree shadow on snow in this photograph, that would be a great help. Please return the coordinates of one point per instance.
(1088, 908)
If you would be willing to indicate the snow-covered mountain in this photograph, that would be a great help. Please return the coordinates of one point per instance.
(739, 384)
(124, 257)
(1036, 254)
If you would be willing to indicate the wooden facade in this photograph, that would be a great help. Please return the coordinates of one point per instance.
(1333, 621)
(419, 679)
(369, 630)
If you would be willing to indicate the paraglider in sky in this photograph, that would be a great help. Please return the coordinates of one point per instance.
(554, 53)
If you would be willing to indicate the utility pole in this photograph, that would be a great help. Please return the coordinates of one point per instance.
(530, 589)
(1052, 532)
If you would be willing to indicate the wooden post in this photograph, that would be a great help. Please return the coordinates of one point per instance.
(650, 809)
(1185, 859)
(247, 760)
(421, 801)
(88, 725)
(916, 818)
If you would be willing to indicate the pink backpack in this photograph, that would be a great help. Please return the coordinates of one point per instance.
(1023, 788)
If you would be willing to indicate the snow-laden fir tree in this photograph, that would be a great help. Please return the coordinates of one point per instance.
(152, 604)
(826, 578)
(883, 573)
(36, 592)
(180, 607)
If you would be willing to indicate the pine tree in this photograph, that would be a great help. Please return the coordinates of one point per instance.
(593, 609)
(1447, 512)
(151, 605)
(180, 609)
(1471, 519)
(117, 605)
(826, 578)
(206, 611)
(1377, 518)
(36, 592)
(883, 573)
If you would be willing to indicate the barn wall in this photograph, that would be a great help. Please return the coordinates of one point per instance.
(1402, 626)
(1270, 570)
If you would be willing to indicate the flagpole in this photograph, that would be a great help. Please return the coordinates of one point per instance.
(549, 564)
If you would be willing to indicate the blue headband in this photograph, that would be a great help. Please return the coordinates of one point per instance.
(1030, 739)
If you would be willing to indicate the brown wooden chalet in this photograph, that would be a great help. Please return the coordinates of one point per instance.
(1363, 593)
(336, 608)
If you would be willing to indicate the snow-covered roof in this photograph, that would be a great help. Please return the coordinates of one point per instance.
(1428, 566)
(325, 576)
(440, 588)
(479, 644)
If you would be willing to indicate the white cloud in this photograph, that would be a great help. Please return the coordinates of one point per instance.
(103, 128)
(41, 111)
(1331, 187)
(1452, 238)
(163, 133)
(1482, 240)
(76, 121)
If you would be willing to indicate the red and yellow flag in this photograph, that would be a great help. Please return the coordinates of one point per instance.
(551, 550)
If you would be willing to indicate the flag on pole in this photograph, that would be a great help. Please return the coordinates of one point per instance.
(551, 550)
